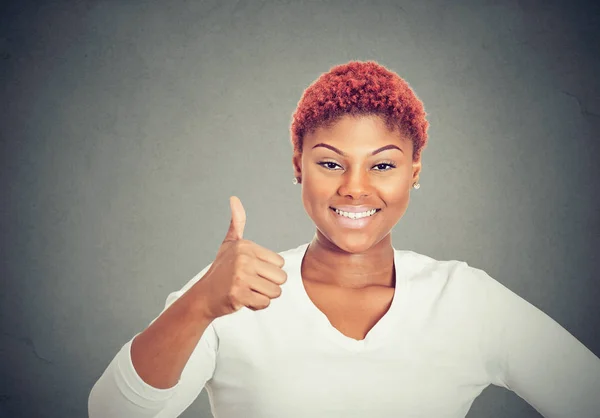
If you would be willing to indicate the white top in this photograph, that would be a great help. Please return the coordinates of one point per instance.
(451, 331)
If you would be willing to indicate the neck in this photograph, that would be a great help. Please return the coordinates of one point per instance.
(325, 262)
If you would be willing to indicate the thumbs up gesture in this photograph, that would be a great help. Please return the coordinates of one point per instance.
(243, 273)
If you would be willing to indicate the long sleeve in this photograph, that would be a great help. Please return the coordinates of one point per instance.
(537, 358)
(120, 392)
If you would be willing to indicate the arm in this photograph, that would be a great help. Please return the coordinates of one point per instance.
(538, 359)
(162, 370)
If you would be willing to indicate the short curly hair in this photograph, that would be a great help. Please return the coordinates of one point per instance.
(360, 88)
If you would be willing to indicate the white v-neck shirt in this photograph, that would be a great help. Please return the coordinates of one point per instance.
(451, 331)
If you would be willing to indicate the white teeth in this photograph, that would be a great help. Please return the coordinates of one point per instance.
(353, 215)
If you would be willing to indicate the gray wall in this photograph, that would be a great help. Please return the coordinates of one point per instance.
(125, 127)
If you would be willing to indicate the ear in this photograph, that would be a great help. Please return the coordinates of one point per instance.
(416, 169)
(297, 164)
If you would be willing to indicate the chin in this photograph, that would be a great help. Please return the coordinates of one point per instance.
(354, 243)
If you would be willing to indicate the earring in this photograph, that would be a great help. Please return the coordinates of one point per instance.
(416, 186)
(295, 181)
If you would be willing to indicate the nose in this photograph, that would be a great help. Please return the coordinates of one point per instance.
(355, 184)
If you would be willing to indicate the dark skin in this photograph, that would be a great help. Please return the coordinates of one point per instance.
(348, 272)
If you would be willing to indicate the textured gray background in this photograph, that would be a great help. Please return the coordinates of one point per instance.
(125, 127)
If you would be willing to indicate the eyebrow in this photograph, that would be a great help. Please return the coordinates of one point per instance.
(343, 154)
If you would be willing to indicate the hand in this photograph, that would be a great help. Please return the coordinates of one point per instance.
(242, 274)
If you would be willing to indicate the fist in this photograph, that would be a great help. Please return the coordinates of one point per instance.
(242, 274)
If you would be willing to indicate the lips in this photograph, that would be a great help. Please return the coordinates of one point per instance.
(354, 209)
(357, 223)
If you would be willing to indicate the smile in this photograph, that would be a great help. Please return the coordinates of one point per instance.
(355, 215)
(354, 220)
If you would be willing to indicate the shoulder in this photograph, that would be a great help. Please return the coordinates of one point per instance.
(421, 264)
(426, 268)
(454, 278)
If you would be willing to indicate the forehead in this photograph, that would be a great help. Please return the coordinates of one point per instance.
(355, 131)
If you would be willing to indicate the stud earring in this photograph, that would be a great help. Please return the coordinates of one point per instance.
(416, 186)
(295, 181)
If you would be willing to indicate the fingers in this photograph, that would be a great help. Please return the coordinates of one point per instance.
(255, 301)
(264, 287)
(258, 285)
(268, 255)
(238, 220)
(270, 272)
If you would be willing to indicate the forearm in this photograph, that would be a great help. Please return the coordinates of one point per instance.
(147, 377)
(160, 353)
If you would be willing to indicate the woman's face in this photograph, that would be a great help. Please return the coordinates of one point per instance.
(357, 165)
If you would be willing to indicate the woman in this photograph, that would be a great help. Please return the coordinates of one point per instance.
(347, 325)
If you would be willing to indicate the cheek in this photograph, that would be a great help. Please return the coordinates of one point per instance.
(395, 191)
(313, 193)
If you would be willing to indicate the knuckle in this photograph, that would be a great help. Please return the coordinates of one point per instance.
(237, 288)
(238, 248)
(241, 261)
(244, 244)
(237, 283)
(234, 292)
(232, 299)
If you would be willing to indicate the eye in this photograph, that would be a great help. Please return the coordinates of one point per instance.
(329, 165)
(384, 166)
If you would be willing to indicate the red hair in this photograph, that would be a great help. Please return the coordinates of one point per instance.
(361, 88)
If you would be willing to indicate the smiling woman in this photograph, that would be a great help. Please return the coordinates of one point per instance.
(356, 165)
(347, 325)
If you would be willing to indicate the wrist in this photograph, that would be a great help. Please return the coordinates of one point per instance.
(199, 305)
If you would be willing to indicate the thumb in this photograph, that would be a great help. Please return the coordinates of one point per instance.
(238, 220)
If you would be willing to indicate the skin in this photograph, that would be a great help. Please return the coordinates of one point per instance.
(354, 258)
